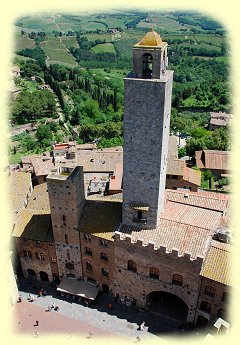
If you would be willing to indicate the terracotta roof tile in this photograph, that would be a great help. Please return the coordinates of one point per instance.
(20, 185)
(192, 176)
(101, 218)
(34, 225)
(186, 224)
(173, 235)
(192, 215)
(175, 166)
(217, 264)
(39, 198)
(212, 201)
(213, 159)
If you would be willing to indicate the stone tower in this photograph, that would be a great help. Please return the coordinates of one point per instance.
(147, 104)
(66, 197)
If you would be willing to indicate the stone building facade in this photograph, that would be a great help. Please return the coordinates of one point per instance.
(155, 246)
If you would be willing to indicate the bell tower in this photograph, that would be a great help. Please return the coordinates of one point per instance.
(147, 107)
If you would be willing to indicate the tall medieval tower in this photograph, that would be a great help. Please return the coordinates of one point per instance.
(147, 105)
(67, 197)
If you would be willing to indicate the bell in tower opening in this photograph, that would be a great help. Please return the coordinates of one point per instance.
(150, 57)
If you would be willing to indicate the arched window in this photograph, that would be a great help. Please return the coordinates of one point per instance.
(205, 306)
(154, 273)
(147, 65)
(104, 272)
(27, 254)
(132, 266)
(209, 291)
(177, 279)
(89, 266)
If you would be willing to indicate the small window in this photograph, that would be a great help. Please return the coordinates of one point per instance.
(87, 237)
(42, 257)
(132, 266)
(154, 273)
(89, 266)
(37, 256)
(29, 254)
(177, 279)
(209, 291)
(68, 255)
(64, 220)
(51, 244)
(69, 266)
(66, 238)
(88, 251)
(53, 259)
(104, 257)
(103, 243)
(104, 272)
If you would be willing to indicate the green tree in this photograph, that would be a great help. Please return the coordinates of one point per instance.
(44, 133)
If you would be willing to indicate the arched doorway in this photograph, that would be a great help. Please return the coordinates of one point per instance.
(202, 322)
(31, 273)
(168, 305)
(43, 276)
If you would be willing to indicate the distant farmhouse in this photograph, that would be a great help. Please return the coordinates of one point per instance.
(214, 160)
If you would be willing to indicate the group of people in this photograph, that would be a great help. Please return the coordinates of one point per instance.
(31, 298)
(42, 292)
(53, 307)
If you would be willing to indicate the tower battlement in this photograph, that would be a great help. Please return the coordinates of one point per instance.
(151, 246)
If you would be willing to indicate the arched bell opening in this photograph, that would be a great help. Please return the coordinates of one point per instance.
(147, 66)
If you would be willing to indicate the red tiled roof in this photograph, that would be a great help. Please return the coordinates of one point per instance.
(192, 176)
(211, 200)
(191, 215)
(186, 224)
(212, 159)
(60, 146)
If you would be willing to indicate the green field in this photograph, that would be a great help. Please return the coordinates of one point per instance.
(90, 25)
(164, 22)
(69, 41)
(22, 42)
(113, 22)
(93, 37)
(105, 48)
(57, 53)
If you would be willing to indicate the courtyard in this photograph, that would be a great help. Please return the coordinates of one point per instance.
(78, 317)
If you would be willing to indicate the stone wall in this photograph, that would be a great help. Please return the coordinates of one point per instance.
(147, 107)
(33, 263)
(216, 302)
(98, 246)
(138, 284)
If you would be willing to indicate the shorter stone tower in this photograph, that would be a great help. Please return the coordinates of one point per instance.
(147, 107)
(67, 197)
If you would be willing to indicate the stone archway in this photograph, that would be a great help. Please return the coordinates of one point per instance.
(31, 273)
(168, 305)
(43, 276)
